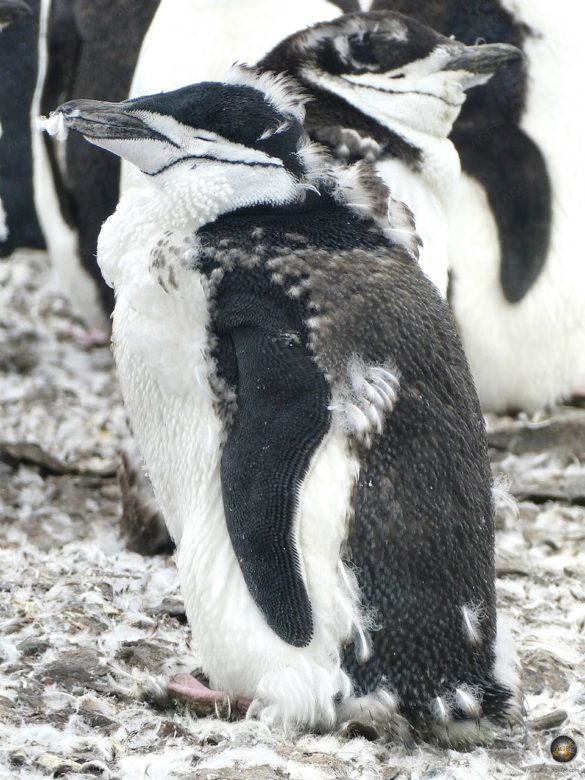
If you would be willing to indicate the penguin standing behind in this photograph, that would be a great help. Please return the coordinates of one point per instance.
(87, 47)
(18, 68)
(306, 415)
(518, 281)
(389, 88)
(526, 349)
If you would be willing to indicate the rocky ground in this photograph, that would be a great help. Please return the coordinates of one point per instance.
(90, 632)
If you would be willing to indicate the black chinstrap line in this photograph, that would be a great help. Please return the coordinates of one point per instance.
(215, 159)
(399, 92)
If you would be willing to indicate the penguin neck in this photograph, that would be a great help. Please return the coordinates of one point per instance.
(192, 195)
(410, 127)
(439, 165)
(182, 200)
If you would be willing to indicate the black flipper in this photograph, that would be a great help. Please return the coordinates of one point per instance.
(282, 415)
(514, 173)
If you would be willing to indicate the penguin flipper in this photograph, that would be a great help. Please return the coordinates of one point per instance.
(282, 415)
(513, 172)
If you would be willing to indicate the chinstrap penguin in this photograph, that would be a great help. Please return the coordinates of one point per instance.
(387, 87)
(307, 417)
(518, 282)
(492, 146)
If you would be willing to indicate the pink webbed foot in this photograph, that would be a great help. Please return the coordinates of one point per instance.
(187, 687)
(90, 338)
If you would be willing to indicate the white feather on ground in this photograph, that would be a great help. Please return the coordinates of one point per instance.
(89, 632)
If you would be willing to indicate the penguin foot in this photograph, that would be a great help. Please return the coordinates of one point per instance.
(187, 687)
(90, 338)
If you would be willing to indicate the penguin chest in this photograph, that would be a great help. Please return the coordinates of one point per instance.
(161, 345)
(431, 223)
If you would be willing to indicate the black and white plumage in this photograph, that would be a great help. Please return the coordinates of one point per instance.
(19, 226)
(526, 351)
(493, 147)
(389, 88)
(142, 47)
(518, 283)
(306, 414)
(105, 50)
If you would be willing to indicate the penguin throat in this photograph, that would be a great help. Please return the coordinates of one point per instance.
(191, 195)
(430, 110)
(183, 199)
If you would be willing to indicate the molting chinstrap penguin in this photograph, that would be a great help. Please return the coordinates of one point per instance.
(389, 88)
(306, 415)
(515, 224)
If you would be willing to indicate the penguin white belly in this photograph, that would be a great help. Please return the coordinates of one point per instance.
(190, 41)
(429, 213)
(530, 354)
(161, 345)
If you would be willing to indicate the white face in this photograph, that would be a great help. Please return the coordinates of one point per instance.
(420, 95)
(179, 144)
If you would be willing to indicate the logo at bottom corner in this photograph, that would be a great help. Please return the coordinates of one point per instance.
(563, 749)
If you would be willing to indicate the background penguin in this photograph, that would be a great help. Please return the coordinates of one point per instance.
(88, 48)
(390, 88)
(518, 281)
(493, 148)
(306, 414)
(527, 352)
(19, 226)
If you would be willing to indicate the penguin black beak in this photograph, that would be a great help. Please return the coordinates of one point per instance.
(487, 58)
(100, 119)
(10, 10)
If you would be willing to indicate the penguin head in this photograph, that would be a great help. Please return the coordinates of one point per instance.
(390, 67)
(252, 119)
(11, 10)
